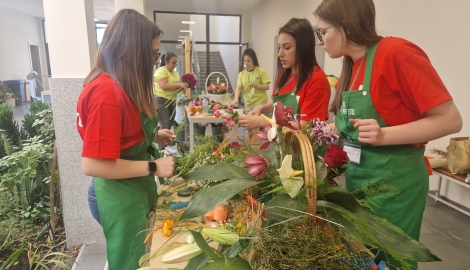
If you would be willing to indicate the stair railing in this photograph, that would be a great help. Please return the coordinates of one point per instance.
(196, 67)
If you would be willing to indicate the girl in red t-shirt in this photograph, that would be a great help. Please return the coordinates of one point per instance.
(117, 120)
(390, 102)
(300, 83)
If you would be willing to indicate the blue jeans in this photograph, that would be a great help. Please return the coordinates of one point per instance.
(92, 203)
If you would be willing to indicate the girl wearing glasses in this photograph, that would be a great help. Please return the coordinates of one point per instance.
(300, 82)
(117, 120)
(253, 81)
(166, 84)
(390, 102)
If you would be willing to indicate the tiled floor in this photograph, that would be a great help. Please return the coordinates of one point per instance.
(445, 231)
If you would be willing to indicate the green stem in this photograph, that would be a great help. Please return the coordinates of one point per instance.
(282, 147)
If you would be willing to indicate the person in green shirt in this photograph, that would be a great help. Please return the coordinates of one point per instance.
(253, 81)
(165, 87)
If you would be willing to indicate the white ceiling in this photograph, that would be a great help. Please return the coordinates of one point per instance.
(104, 9)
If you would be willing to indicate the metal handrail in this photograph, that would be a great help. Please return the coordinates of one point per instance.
(195, 63)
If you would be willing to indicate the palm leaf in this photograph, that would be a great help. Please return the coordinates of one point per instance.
(339, 196)
(283, 207)
(218, 172)
(209, 198)
(377, 232)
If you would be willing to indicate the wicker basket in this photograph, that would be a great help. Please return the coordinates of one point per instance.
(309, 166)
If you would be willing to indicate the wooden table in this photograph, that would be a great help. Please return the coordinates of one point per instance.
(198, 119)
(161, 242)
(444, 174)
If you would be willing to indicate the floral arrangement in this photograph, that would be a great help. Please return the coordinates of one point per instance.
(255, 204)
(190, 79)
(217, 89)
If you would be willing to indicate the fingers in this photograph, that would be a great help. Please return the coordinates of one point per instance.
(165, 166)
(369, 130)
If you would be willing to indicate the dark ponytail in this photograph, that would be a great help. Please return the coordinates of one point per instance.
(166, 57)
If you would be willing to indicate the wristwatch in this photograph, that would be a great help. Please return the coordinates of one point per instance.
(152, 167)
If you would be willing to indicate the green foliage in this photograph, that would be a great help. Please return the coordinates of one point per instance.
(10, 127)
(28, 123)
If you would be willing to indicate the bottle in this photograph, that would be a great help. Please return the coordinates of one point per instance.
(205, 106)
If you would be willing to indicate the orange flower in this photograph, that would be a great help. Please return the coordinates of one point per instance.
(167, 225)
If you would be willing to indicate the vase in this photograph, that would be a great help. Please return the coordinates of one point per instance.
(217, 133)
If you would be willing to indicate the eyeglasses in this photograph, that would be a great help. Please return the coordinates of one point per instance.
(156, 54)
(321, 32)
(174, 63)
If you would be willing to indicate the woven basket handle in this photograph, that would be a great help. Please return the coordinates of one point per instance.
(309, 166)
(216, 72)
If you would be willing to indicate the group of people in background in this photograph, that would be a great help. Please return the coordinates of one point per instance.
(389, 102)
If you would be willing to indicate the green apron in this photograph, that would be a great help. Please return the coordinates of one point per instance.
(124, 205)
(290, 100)
(403, 166)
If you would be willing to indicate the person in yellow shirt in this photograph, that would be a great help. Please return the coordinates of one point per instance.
(253, 81)
(166, 84)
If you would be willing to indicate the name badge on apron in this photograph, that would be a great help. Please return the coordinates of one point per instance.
(353, 150)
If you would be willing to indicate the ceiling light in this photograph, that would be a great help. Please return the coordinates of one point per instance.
(96, 20)
(188, 22)
(180, 40)
(181, 37)
(185, 31)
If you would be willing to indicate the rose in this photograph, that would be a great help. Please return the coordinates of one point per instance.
(335, 157)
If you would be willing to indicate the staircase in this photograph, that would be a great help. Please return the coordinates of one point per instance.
(217, 64)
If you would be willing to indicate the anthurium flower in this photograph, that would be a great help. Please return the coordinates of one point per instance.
(257, 166)
(289, 178)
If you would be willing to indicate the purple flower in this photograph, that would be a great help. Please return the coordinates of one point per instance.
(321, 133)
(257, 166)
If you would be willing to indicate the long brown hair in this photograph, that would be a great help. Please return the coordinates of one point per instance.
(126, 54)
(357, 18)
(302, 31)
(250, 53)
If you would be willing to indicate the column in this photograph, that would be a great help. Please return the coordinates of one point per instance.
(71, 36)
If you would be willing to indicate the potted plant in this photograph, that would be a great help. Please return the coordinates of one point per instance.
(7, 96)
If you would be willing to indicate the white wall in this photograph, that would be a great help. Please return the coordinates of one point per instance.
(438, 27)
(17, 31)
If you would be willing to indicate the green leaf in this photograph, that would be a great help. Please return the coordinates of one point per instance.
(197, 262)
(282, 208)
(207, 199)
(339, 196)
(228, 266)
(235, 249)
(199, 239)
(237, 263)
(376, 232)
(12, 258)
(218, 172)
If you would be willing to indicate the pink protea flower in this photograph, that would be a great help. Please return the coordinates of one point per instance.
(217, 114)
(257, 166)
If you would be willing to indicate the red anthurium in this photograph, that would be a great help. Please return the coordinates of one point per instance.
(257, 166)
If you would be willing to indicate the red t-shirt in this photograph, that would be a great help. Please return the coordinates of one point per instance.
(404, 84)
(107, 120)
(313, 97)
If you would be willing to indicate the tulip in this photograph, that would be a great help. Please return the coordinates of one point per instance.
(225, 122)
(257, 166)
(215, 108)
(229, 117)
(231, 123)
(230, 109)
(217, 114)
